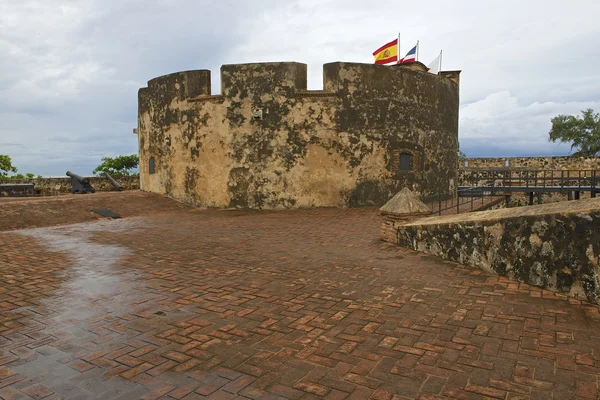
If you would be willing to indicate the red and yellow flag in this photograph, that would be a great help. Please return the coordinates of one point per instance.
(387, 53)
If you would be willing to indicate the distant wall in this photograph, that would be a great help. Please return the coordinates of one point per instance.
(482, 167)
(57, 186)
(553, 246)
(16, 190)
(554, 162)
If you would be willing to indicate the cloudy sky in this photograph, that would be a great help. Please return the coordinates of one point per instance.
(70, 69)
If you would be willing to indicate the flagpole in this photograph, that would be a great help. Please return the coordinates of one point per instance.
(398, 60)
(417, 50)
(440, 70)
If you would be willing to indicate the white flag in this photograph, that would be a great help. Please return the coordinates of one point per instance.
(434, 66)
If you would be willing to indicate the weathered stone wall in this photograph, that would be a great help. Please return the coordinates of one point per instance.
(554, 246)
(57, 186)
(497, 167)
(16, 190)
(334, 147)
(554, 162)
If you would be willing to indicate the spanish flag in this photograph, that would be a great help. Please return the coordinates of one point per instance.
(387, 53)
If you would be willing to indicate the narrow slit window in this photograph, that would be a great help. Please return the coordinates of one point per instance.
(151, 167)
(405, 161)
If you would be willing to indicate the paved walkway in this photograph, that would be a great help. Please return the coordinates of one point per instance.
(262, 305)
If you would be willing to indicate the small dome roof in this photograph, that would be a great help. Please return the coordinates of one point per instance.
(405, 202)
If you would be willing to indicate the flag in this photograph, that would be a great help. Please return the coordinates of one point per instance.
(434, 66)
(387, 53)
(411, 56)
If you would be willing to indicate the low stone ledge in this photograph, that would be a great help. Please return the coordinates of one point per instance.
(391, 222)
(553, 246)
(16, 189)
(58, 186)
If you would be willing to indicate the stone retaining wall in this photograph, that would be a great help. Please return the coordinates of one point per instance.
(554, 162)
(57, 186)
(553, 246)
(481, 166)
(16, 190)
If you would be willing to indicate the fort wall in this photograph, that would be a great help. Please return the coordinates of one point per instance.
(551, 162)
(268, 142)
(482, 166)
(553, 246)
(58, 186)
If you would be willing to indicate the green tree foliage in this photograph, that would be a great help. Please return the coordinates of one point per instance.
(6, 165)
(461, 155)
(118, 166)
(583, 132)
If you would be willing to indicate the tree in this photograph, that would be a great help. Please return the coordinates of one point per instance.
(6, 165)
(119, 165)
(582, 132)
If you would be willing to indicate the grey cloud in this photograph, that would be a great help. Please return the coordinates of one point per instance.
(71, 70)
(500, 125)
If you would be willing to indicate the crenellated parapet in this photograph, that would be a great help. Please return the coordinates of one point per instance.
(289, 78)
(282, 78)
(179, 85)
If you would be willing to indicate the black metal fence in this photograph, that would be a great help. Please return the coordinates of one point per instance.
(464, 200)
(512, 180)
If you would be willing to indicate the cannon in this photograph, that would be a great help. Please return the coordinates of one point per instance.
(79, 184)
(113, 182)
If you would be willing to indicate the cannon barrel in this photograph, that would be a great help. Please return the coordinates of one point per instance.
(79, 178)
(113, 182)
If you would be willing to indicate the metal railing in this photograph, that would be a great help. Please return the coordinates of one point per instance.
(464, 200)
(544, 180)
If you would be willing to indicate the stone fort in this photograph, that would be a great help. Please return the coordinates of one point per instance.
(268, 142)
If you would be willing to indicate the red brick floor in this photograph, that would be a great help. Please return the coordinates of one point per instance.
(263, 305)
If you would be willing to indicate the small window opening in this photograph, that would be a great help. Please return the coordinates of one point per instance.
(506, 163)
(466, 163)
(151, 167)
(405, 161)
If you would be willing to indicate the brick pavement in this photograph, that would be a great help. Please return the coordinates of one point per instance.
(260, 305)
(28, 212)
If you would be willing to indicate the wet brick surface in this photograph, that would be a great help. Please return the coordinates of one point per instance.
(264, 305)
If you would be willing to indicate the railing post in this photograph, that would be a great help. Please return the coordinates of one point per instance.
(457, 204)
(593, 185)
(440, 203)
(482, 196)
(545, 178)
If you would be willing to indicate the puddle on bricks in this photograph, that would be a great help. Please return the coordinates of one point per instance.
(93, 289)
